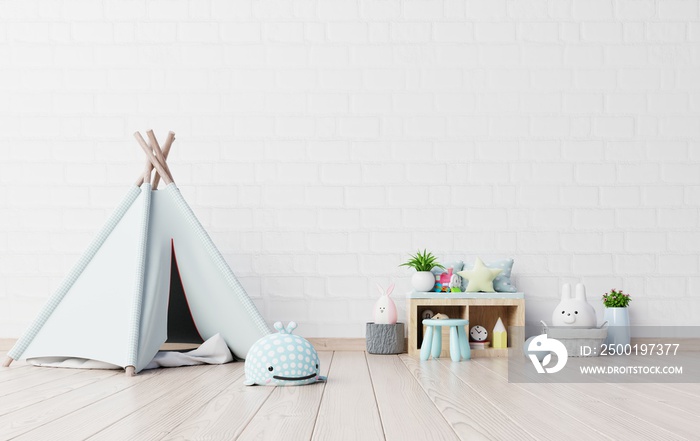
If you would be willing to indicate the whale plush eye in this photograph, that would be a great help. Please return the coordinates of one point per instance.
(317, 366)
(562, 312)
(575, 312)
(270, 368)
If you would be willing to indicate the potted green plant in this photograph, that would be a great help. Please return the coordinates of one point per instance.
(423, 279)
(617, 316)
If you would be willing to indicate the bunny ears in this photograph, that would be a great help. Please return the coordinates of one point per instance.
(580, 291)
(389, 290)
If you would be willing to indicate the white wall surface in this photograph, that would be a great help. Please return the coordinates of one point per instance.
(322, 141)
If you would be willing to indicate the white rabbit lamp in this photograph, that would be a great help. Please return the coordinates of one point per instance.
(385, 309)
(575, 311)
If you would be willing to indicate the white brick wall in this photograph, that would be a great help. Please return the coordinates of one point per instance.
(322, 141)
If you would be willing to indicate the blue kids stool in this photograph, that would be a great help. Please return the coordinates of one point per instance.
(432, 342)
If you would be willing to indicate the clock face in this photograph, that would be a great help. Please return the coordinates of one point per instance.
(478, 333)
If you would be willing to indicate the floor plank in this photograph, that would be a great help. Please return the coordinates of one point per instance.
(31, 417)
(119, 405)
(682, 399)
(33, 377)
(290, 411)
(660, 406)
(10, 374)
(406, 411)
(15, 364)
(16, 371)
(471, 416)
(225, 416)
(585, 407)
(661, 394)
(348, 410)
(369, 397)
(544, 419)
(228, 414)
(675, 420)
(692, 389)
(177, 405)
(49, 389)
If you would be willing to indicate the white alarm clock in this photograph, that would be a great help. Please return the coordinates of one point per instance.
(478, 333)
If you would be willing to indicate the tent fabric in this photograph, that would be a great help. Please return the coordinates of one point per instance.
(218, 260)
(137, 302)
(212, 351)
(113, 306)
(73, 275)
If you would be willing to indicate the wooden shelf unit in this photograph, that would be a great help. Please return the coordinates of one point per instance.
(479, 308)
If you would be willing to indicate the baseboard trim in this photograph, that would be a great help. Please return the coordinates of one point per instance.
(358, 344)
(321, 344)
(7, 343)
(338, 344)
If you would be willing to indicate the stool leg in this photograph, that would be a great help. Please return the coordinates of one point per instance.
(454, 344)
(437, 342)
(427, 341)
(464, 343)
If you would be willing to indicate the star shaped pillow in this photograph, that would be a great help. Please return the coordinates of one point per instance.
(480, 277)
(502, 282)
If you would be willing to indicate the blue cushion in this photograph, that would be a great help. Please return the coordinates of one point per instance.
(502, 282)
(457, 265)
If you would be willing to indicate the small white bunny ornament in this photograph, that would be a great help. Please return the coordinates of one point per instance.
(575, 312)
(385, 309)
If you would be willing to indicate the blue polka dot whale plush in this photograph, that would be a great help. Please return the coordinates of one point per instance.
(282, 359)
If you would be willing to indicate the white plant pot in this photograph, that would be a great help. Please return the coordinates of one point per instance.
(423, 281)
(618, 326)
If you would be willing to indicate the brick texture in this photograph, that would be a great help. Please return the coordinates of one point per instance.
(322, 141)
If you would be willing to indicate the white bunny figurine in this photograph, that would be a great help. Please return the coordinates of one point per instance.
(575, 312)
(385, 309)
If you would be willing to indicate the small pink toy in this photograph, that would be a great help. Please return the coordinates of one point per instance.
(448, 282)
(385, 309)
(445, 279)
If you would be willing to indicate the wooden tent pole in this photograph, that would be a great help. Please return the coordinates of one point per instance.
(146, 175)
(166, 150)
(158, 155)
(158, 152)
(7, 362)
(154, 160)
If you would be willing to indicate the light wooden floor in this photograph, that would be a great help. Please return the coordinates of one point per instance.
(367, 397)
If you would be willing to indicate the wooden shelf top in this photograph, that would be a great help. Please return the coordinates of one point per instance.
(465, 295)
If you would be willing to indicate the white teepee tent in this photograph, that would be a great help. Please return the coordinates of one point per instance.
(113, 305)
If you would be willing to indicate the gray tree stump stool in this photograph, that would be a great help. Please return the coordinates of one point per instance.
(385, 339)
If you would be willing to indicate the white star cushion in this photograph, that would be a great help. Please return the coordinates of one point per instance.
(480, 277)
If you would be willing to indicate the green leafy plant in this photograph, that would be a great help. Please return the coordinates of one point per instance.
(423, 261)
(616, 299)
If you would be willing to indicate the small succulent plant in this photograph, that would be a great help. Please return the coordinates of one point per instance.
(423, 261)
